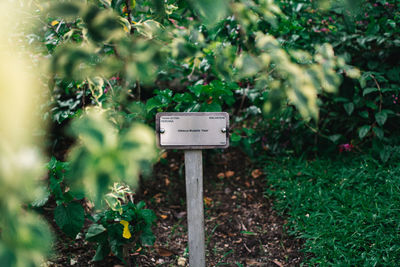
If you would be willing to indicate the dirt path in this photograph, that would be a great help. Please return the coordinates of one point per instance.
(241, 227)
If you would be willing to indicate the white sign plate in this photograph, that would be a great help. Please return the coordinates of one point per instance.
(187, 130)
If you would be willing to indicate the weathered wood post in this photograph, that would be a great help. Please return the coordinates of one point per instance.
(193, 131)
(195, 209)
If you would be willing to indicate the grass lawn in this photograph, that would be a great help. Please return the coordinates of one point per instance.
(347, 210)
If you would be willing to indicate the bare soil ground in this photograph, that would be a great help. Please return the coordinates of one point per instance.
(242, 229)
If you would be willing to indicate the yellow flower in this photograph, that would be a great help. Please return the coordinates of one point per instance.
(54, 23)
(126, 234)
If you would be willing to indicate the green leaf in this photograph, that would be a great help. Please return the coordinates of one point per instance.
(196, 89)
(51, 165)
(140, 205)
(152, 103)
(248, 233)
(95, 233)
(211, 11)
(70, 218)
(66, 9)
(362, 132)
(379, 132)
(385, 153)
(364, 114)
(42, 200)
(235, 137)
(148, 216)
(213, 107)
(147, 237)
(381, 118)
(116, 248)
(349, 107)
(102, 251)
(369, 90)
(334, 138)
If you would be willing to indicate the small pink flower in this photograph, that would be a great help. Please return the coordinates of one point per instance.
(346, 147)
(324, 30)
(375, 5)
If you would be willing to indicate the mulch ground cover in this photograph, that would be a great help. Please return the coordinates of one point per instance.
(242, 229)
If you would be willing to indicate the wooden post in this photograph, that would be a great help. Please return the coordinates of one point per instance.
(195, 209)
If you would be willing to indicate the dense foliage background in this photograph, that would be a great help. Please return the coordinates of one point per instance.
(300, 78)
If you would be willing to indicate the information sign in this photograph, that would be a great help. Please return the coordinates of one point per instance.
(192, 130)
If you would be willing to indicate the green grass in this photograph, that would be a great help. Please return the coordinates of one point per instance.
(346, 210)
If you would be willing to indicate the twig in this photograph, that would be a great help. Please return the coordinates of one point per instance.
(380, 92)
(128, 10)
(139, 90)
(247, 247)
(243, 98)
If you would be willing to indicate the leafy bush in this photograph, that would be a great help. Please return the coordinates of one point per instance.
(345, 210)
(364, 111)
(104, 155)
(123, 226)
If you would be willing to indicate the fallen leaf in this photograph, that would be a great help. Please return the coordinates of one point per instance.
(250, 197)
(181, 214)
(238, 241)
(256, 173)
(277, 263)
(174, 167)
(247, 184)
(252, 263)
(157, 197)
(167, 181)
(182, 261)
(208, 201)
(229, 174)
(164, 155)
(164, 252)
(163, 216)
(221, 175)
